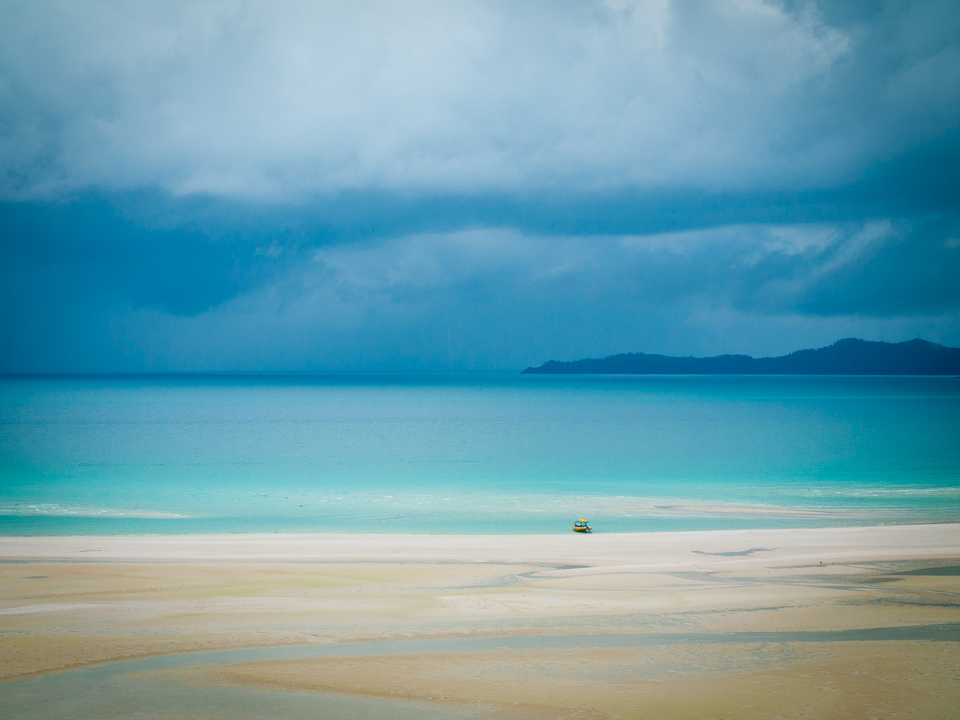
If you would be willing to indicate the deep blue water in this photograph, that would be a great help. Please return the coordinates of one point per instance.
(522, 454)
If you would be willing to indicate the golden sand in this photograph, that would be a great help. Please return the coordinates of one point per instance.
(809, 680)
(70, 602)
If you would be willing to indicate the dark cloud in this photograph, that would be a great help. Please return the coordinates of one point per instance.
(499, 298)
(435, 186)
(914, 272)
(279, 100)
(89, 252)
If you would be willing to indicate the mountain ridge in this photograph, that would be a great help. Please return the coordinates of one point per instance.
(849, 356)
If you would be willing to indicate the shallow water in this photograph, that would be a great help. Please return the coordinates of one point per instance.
(475, 455)
(112, 691)
(103, 693)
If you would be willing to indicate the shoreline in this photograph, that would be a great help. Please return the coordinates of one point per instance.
(700, 549)
(505, 626)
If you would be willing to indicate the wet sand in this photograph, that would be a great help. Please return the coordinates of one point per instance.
(73, 602)
(705, 550)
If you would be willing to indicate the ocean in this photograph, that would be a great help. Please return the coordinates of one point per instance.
(476, 454)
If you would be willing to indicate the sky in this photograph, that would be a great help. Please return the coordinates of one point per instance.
(435, 186)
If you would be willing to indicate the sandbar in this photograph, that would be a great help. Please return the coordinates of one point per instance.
(827, 622)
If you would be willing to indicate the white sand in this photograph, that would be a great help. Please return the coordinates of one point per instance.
(674, 551)
(70, 602)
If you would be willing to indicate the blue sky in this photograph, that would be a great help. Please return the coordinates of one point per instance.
(435, 186)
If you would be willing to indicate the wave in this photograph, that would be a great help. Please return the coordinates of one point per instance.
(614, 506)
(58, 510)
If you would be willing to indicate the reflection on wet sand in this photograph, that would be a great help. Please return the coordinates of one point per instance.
(703, 625)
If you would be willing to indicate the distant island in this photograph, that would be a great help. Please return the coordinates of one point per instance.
(850, 356)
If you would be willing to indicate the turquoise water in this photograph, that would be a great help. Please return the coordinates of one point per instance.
(475, 455)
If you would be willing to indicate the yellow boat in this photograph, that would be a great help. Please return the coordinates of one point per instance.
(582, 526)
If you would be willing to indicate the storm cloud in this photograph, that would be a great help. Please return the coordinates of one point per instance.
(430, 186)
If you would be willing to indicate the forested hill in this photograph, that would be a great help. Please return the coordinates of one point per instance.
(845, 357)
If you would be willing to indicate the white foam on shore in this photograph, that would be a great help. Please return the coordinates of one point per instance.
(695, 551)
(59, 510)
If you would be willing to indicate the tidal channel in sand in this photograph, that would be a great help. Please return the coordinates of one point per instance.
(831, 623)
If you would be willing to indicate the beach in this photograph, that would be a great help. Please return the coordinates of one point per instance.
(590, 360)
(826, 622)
